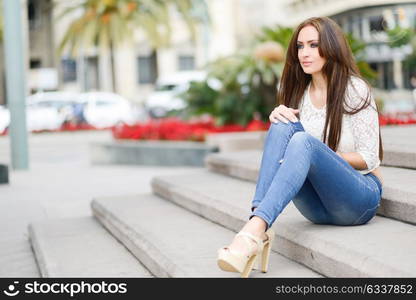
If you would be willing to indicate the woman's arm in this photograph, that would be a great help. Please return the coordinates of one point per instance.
(354, 159)
(365, 128)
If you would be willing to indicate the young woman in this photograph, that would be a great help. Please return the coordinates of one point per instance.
(327, 160)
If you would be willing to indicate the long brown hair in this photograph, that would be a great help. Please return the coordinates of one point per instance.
(337, 70)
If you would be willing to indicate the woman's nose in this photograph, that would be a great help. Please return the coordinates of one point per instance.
(304, 53)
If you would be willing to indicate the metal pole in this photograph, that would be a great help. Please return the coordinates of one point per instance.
(15, 83)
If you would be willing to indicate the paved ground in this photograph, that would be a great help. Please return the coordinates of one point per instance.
(60, 183)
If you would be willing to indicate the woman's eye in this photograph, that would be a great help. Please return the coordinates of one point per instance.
(299, 46)
(314, 45)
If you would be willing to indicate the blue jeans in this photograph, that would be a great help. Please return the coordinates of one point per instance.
(324, 187)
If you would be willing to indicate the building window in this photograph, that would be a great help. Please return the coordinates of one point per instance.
(408, 72)
(33, 14)
(147, 69)
(385, 75)
(35, 63)
(414, 20)
(360, 26)
(387, 80)
(91, 73)
(69, 70)
(186, 62)
(351, 24)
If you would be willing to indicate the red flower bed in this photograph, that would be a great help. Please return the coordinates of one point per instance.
(4, 132)
(175, 129)
(71, 127)
(400, 118)
(64, 127)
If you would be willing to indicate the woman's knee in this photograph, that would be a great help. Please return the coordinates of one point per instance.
(281, 127)
(301, 139)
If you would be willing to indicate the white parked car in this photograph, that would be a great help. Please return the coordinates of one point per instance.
(43, 118)
(102, 109)
(4, 118)
(49, 110)
(38, 117)
(165, 97)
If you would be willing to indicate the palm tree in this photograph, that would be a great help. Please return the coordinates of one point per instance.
(107, 23)
(357, 47)
(279, 34)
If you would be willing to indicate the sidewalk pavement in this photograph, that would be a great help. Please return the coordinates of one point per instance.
(60, 183)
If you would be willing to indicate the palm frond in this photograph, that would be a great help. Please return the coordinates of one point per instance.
(100, 23)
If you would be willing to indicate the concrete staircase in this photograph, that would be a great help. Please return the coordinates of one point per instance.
(174, 242)
(176, 231)
(81, 247)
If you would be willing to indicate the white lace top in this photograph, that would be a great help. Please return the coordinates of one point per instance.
(360, 132)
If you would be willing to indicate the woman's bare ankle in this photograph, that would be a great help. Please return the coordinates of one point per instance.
(257, 227)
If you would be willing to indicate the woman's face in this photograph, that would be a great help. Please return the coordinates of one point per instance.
(308, 50)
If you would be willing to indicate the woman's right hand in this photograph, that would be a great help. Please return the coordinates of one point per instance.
(283, 114)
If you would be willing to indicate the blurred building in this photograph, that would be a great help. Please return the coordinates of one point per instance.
(232, 25)
(368, 20)
(40, 54)
(137, 65)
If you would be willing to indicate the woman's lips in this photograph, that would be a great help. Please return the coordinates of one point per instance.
(306, 63)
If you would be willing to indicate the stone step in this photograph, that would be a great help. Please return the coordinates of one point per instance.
(399, 144)
(381, 248)
(397, 155)
(16, 255)
(173, 242)
(17, 259)
(81, 247)
(399, 192)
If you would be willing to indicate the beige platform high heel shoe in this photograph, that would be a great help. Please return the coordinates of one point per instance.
(231, 261)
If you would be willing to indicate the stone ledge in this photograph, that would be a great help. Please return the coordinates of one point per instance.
(4, 174)
(237, 141)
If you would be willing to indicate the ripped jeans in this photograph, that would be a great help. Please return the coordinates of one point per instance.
(324, 187)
